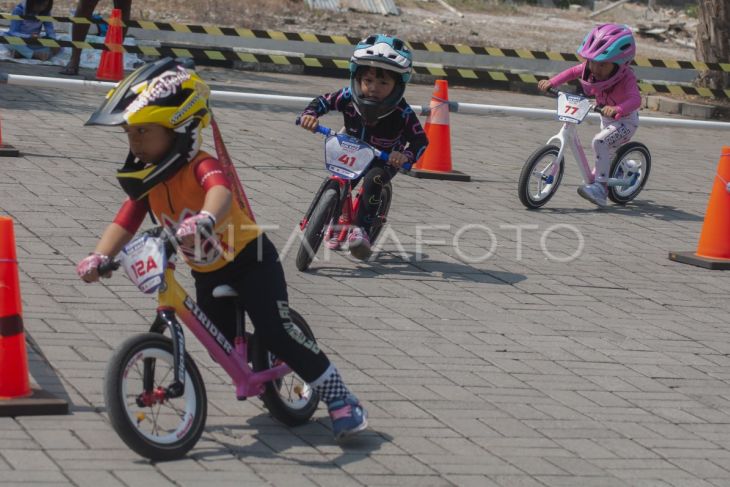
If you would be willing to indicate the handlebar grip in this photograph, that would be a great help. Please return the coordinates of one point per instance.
(321, 129)
(384, 156)
(553, 91)
(110, 266)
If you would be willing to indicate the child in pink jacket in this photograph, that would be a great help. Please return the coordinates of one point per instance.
(608, 49)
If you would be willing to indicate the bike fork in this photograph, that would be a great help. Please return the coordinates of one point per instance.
(166, 319)
(346, 215)
(571, 137)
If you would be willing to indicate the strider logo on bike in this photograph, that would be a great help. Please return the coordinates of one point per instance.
(208, 325)
(294, 330)
(348, 146)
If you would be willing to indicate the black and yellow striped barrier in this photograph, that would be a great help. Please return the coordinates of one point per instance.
(338, 67)
(348, 40)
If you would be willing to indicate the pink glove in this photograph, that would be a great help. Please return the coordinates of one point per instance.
(207, 248)
(203, 221)
(87, 268)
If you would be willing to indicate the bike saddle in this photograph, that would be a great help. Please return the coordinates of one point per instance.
(224, 291)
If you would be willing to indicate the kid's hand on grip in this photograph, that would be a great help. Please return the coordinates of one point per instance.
(91, 267)
(308, 122)
(203, 223)
(397, 159)
(544, 85)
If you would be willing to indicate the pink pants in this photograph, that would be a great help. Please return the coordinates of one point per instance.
(613, 134)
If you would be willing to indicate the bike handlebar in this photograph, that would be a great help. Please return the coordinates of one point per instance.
(326, 131)
(556, 93)
(161, 232)
(108, 267)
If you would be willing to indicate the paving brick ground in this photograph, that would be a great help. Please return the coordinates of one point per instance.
(611, 369)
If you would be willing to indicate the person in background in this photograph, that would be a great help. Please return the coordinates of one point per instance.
(32, 29)
(85, 8)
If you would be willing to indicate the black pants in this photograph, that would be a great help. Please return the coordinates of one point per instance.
(257, 275)
(372, 186)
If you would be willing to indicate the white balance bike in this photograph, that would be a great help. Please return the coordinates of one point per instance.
(543, 170)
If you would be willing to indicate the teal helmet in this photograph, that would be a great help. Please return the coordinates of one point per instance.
(388, 53)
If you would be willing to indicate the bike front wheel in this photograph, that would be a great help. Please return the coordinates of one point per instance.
(314, 231)
(152, 425)
(289, 399)
(540, 177)
(632, 164)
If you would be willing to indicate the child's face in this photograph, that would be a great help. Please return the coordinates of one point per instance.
(601, 70)
(375, 88)
(149, 142)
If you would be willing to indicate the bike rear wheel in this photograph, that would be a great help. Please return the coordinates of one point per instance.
(152, 425)
(289, 399)
(632, 162)
(540, 177)
(314, 231)
(386, 197)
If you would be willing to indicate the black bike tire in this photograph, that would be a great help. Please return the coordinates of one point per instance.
(386, 198)
(631, 146)
(526, 174)
(115, 402)
(260, 359)
(314, 231)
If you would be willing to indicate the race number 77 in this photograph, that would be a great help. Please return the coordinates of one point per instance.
(568, 108)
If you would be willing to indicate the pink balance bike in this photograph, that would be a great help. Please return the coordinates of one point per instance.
(154, 393)
(333, 208)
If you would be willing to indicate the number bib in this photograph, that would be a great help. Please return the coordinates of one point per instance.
(346, 156)
(144, 262)
(572, 108)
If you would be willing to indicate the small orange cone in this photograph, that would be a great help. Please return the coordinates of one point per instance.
(435, 163)
(5, 149)
(111, 65)
(713, 249)
(16, 396)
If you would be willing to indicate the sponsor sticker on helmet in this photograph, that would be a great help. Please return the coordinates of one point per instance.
(161, 87)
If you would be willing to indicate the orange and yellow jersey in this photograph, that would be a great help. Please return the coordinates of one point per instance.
(181, 197)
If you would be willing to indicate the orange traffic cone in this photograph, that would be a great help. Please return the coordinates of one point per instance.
(435, 163)
(713, 250)
(5, 149)
(111, 65)
(16, 396)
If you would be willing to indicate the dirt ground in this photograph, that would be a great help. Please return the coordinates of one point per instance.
(492, 24)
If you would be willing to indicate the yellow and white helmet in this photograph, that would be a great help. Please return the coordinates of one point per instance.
(167, 94)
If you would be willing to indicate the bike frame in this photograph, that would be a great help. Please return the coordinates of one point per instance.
(348, 207)
(568, 135)
(174, 301)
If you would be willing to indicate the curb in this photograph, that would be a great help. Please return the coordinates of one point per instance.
(683, 107)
